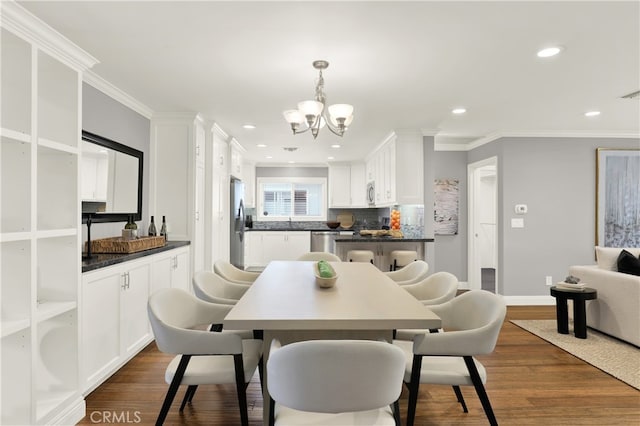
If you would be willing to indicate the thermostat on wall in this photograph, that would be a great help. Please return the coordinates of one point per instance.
(521, 208)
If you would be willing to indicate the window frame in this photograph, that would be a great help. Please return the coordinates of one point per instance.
(261, 181)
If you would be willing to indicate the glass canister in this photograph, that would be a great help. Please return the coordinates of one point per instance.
(395, 219)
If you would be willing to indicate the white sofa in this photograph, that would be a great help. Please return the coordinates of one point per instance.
(616, 311)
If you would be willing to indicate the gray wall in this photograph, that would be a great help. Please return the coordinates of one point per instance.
(107, 117)
(451, 250)
(555, 177)
(292, 172)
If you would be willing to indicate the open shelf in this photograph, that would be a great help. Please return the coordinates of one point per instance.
(57, 184)
(56, 362)
(15, 181)
(15, 284)
(16, 379)
(10, 326)
(57, 267)
(58, 89)
(16, 83)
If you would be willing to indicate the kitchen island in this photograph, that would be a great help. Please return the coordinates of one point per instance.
(382, 246)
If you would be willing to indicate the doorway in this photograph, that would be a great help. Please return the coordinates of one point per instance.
(483, 220)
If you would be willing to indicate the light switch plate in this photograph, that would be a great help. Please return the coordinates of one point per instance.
(517, 222)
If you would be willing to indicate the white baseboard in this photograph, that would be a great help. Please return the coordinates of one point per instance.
(529, 300)
(72, 415)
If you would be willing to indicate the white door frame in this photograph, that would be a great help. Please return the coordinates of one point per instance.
(474, 172)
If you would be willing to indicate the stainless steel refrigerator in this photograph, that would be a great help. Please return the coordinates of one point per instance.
(236, 251)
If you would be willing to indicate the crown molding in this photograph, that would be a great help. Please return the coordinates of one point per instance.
(543, 134)
(21, 22)
(176, 116)
(219, 131)
(94, 80)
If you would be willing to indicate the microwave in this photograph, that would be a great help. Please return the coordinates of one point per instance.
(371, 193)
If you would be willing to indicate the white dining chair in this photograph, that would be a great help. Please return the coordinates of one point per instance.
(410, 274)
(211, 287)
(320, 255)
(447, 358)
(202, 357)
(335, 382)
(231, 273)
(360, 256)
(401, 258)
(435, 289)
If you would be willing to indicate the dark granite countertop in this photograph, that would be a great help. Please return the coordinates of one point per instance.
(386, 239)
(294, 229)
(98, 261)
(293, 226)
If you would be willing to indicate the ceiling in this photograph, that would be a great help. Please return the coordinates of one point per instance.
(403, 65)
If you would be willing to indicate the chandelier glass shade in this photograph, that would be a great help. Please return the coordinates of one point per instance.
(314, 114)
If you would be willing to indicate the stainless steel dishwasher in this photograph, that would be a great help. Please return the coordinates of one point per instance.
(324, 241)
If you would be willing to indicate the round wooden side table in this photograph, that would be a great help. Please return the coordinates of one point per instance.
(579, 298)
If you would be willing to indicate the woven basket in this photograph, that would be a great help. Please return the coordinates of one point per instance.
(119, 245)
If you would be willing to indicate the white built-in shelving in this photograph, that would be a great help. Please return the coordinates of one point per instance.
(40, 125)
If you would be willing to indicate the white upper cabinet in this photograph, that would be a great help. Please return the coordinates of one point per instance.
(249, 179)
(358, 185)
(347, 186)
(339, 185)
(236, 159)
(396, 168)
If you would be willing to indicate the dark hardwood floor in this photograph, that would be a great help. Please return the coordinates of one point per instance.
(530, 382)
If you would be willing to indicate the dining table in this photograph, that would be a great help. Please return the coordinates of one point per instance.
(287, 304)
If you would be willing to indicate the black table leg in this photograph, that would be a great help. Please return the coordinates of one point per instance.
(562, 315)
(579, 319)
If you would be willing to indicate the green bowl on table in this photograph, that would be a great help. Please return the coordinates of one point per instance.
(326, 276)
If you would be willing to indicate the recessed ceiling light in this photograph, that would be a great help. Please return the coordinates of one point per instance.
(335, 146)
(268, 157)
(592, 113)
(329, 158)
(290, 161)
(249, 126)
(459, 110)
(261, 145)
(548, 52)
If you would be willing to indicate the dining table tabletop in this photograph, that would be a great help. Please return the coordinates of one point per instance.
(287, 304)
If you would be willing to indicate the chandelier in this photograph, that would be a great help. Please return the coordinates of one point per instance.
(316, 115)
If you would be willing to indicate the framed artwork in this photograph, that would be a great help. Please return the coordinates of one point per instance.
(445, 210)
(618, 197)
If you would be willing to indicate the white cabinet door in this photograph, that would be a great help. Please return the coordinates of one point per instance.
(100, 329)
(273, 247)
(358, 186)
(249, 179)
(340, 185)
(171, 269)
(160, 273)
(285, 245)
(115, 324)
(134, 322)
(253, 249)
(236, 160)
(297, 244)
(180, 277)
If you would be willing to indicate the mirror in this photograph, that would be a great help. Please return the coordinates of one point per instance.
(111, 184)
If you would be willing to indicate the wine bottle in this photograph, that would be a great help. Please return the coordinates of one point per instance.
(152, 228)
(134, 228)
(129, 223)
(163, 228)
